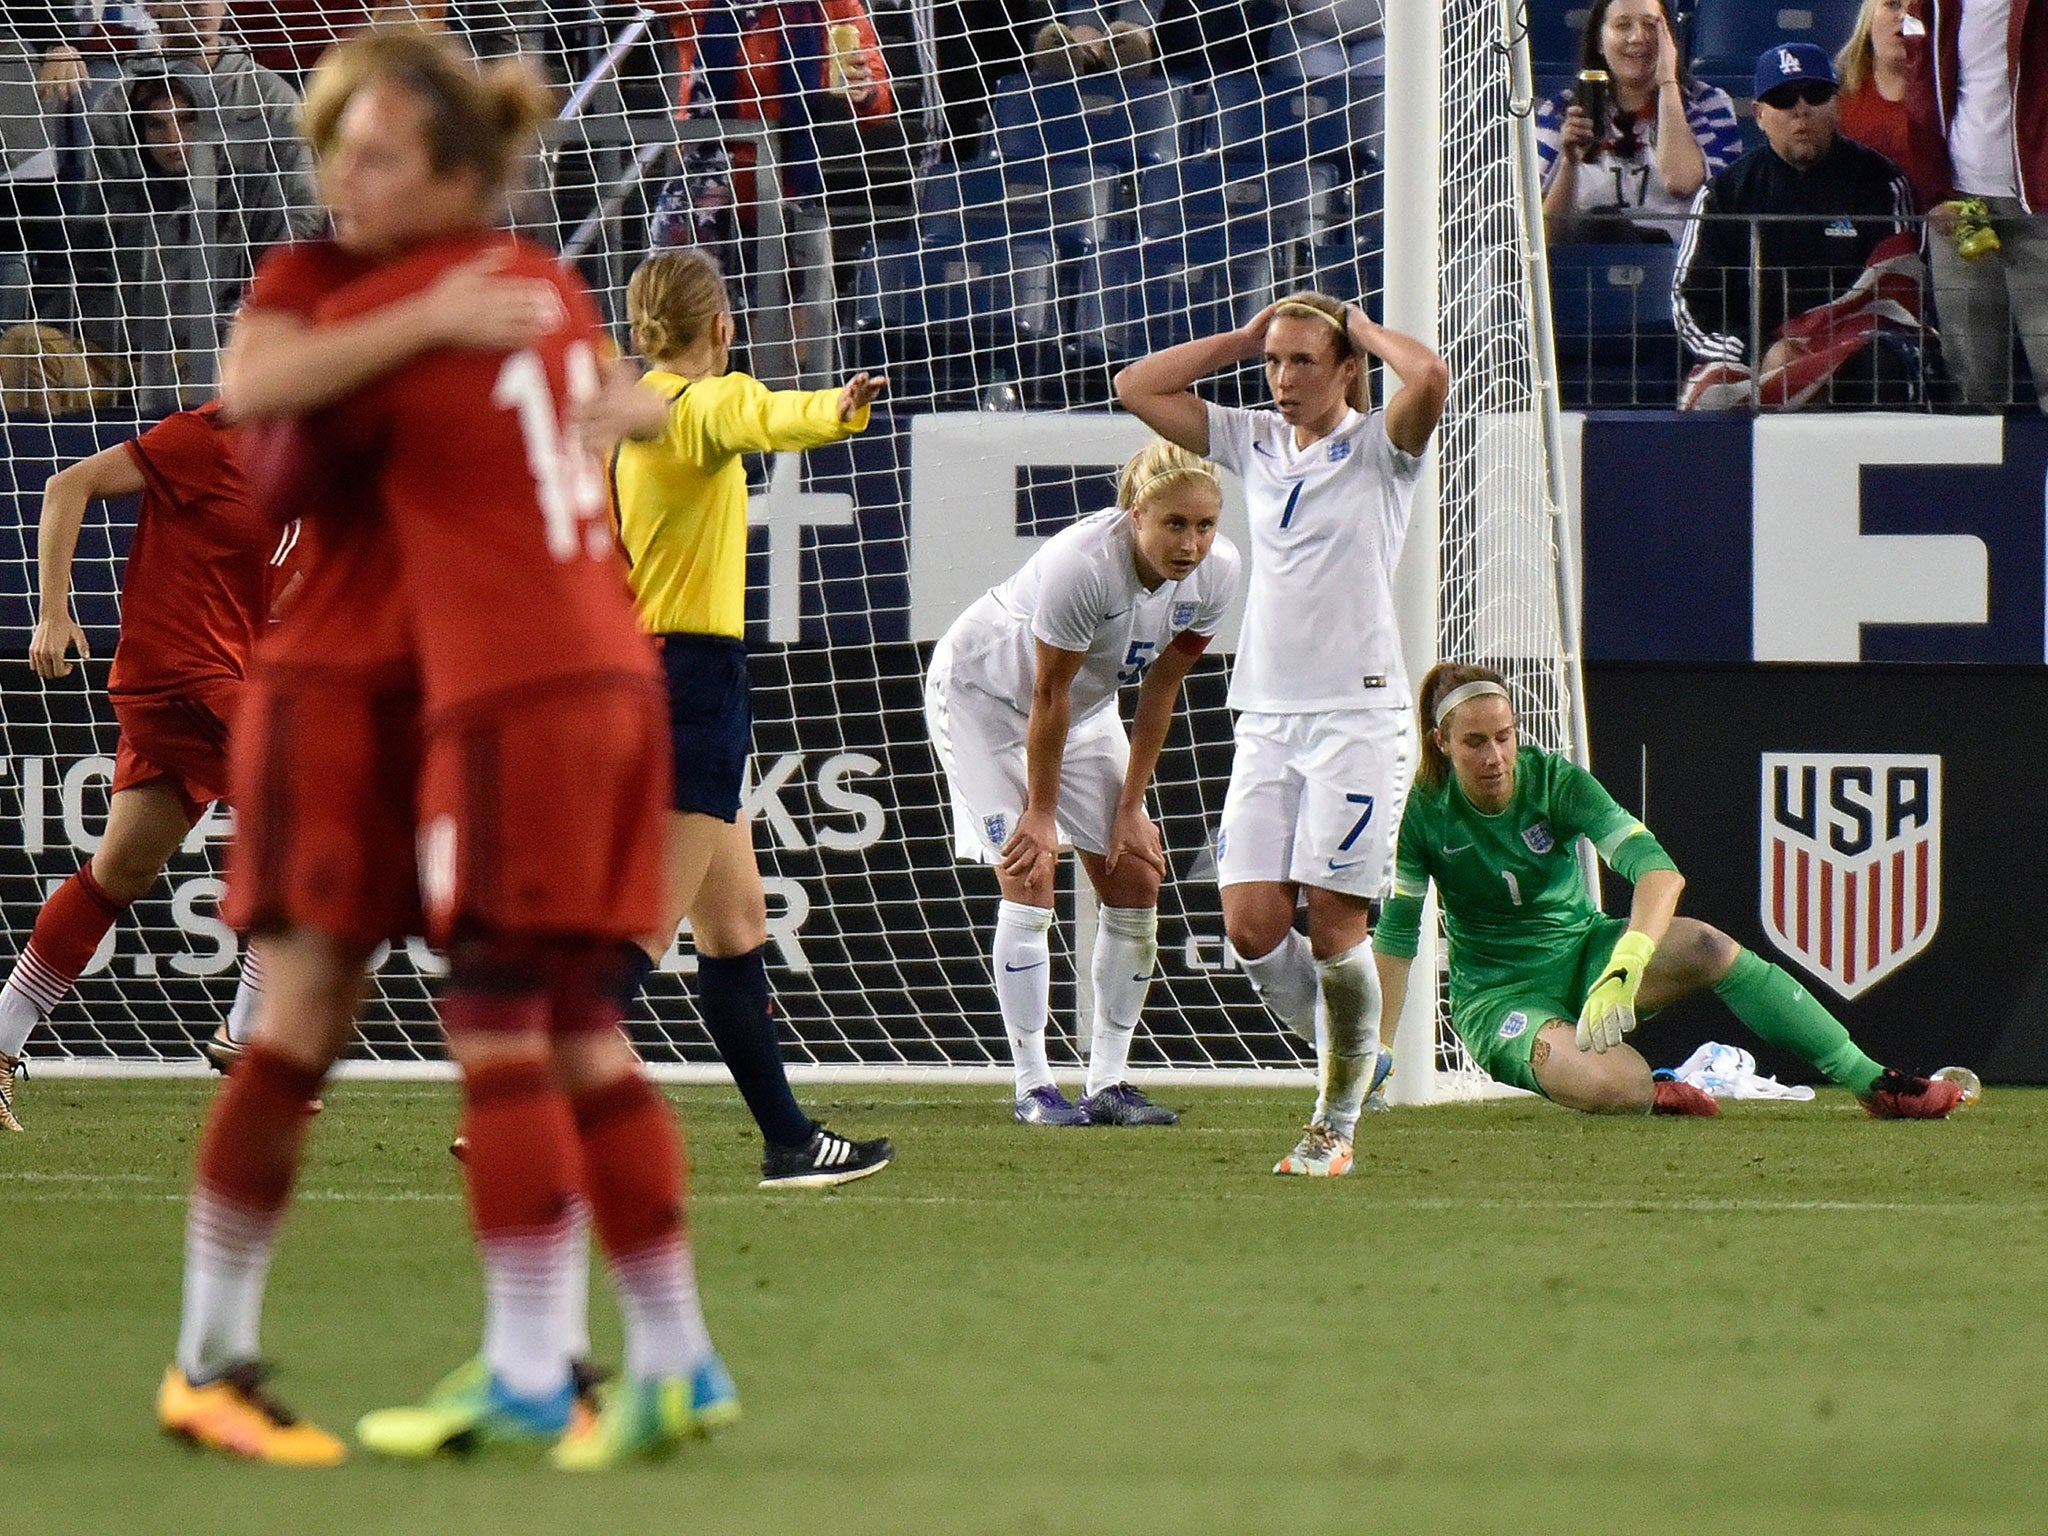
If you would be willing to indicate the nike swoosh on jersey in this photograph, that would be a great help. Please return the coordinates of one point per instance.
(1461, 848)
(1034, 965)
(1335, 867)
(1262, 448)
(1117, 615)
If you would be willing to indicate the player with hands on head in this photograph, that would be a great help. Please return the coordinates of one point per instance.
(202, 571)
(1324, 744)
(679, 486)
(1021, 704)
(1544, 989)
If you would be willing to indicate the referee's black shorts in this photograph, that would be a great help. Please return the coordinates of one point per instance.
(710, 721)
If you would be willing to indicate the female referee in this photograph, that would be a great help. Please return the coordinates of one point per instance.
(679, 489)
(1021, 702)
(1323, 748)
(1543, 987)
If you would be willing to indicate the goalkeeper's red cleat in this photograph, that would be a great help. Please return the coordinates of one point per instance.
(1671, 1097)
(1901, 1096)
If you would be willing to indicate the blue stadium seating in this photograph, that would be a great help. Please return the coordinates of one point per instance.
(1555, 30)
(1727, 35)
(1611, 315)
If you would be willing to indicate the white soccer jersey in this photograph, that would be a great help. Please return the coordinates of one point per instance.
(1327, 523)
(1080, 592)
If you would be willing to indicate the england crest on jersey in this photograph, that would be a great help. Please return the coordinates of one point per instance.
(1539, 838)
(1851, 862)
(997, 828)
(1183, 615)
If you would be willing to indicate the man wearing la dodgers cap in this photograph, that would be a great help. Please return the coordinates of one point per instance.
(1828, 202)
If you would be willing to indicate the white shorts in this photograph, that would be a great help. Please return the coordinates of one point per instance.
(1316, 799)
(980, 742)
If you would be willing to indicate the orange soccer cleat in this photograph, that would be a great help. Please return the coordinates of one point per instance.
(235, 1414)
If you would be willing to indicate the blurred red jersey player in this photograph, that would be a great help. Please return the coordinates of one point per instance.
(203, 571)
(538, 727)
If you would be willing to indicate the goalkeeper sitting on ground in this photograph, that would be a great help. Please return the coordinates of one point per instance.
(1543, 987)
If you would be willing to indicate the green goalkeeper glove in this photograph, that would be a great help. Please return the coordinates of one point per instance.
(1610, 1010)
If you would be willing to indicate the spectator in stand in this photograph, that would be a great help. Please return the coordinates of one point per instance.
(44, 373)
(1976, 99)
(1872, 66)
(252, 116)
(1631, 176)
(29, 210)
(1835, 252)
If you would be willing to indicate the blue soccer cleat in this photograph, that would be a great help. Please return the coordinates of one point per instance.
(1048, 1106)
(644, 1420)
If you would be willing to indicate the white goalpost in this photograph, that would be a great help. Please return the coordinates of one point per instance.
(999, 229)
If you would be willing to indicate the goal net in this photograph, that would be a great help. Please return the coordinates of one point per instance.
(997, 209)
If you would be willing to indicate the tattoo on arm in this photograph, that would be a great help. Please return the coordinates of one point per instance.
(1539, 1052)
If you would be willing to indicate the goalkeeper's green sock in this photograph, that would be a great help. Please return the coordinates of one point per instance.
(1766, 998)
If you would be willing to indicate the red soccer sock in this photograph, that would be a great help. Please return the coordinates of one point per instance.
(522, 1173)
(68, 930)
(634, 1177)
(248, 1159)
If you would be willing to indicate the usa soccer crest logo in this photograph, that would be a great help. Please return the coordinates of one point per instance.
(1851, 863)
(996, 827)
(1183, 615)
(1539, 838)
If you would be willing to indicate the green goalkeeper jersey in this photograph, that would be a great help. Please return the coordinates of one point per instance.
(1514, 902)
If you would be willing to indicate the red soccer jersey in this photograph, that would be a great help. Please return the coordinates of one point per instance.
(197, 588)
(505, 551)
(347, 611)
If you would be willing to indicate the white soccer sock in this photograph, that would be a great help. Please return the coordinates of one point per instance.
(1126, 949)
(18, 1017)
(1350, 985)
(527, 1281)
(1285, 979)
(227, 1258)
(248, 993)
(1021, 958)
(576, 1297)
(665, 1332)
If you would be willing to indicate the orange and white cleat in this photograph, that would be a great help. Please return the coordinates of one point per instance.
(236, 1414)
(1320, 1154)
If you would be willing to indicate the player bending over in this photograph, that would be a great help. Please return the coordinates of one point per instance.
(1021, 704)
(1324, 746)
(201, 575)
(1543, 987)
(461, 673)
(680, 481)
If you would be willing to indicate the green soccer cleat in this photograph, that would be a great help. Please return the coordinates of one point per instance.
(645, 1420)
(469, 1411)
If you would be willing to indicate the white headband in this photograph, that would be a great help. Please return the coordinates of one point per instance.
(1483, 688)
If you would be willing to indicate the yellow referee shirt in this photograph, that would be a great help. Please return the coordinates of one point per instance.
(680, 499)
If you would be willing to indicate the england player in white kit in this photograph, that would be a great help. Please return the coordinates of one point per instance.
(1325, 748)
(1021, 703)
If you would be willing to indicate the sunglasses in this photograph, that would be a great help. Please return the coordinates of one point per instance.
(1815, 93)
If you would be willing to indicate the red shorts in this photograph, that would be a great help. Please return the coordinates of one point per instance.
(547, 816)
(180, 737)
(325, 770)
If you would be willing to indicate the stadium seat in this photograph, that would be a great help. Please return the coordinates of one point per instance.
(1108, 125)
(1611, 316)
(1155, 108)
(888, 333)
(1727, 35)
(1555, 30)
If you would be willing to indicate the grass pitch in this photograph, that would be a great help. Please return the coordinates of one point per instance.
(1512, 1319)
